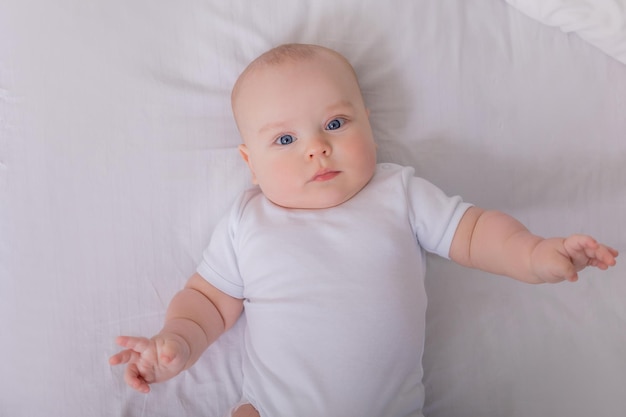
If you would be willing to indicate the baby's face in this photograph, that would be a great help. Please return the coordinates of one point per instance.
(306, 131)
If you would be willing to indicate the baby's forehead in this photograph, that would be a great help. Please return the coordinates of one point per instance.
(275, 66)
(277, 63)
(277, 60)
(273, 63)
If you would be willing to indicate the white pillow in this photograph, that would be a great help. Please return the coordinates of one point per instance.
(600, 22)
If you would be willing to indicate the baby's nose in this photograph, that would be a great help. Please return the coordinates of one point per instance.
(319, 147)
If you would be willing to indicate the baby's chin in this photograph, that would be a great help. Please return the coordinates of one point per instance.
(309, 203)
(316, 196)
(307, 206)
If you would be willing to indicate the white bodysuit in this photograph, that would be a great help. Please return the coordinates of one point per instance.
(334, 298)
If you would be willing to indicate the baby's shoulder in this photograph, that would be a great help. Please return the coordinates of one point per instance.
(388, 171)
(389, 175)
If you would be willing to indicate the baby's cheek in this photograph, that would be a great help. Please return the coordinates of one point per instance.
(278, 183)
(364, 155)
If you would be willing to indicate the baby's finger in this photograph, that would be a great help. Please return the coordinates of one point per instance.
(605, 256)
(138, 344)
(124, 356)
(133, 378)
(612, 251)
(583, 243)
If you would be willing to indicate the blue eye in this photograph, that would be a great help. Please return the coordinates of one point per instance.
(285, 140)
(335, 124)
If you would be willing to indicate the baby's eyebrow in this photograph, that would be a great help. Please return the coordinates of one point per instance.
(337, 107)
(274, 126)
(340, 105)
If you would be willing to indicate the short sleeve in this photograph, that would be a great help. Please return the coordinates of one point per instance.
(219, 261)
(434, 215)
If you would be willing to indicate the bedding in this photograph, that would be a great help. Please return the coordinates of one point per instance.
(600, 22)
(118, 157)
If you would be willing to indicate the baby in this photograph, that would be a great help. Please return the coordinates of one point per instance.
(326, 255)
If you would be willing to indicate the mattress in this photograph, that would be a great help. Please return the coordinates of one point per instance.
(118, 156)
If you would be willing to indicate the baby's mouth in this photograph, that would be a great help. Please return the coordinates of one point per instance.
(324, 175)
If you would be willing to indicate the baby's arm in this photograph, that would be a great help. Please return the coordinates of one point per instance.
(195, 318)
(497, 243)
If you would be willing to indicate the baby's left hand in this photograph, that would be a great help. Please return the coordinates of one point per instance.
(558, 259)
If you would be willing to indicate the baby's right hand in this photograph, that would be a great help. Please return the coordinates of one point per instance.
(151, 360)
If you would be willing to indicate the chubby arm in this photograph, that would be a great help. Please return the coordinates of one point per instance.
(195, 318)
(495, 242)
(199, 314)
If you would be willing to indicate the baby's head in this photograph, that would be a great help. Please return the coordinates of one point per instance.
(305, 127)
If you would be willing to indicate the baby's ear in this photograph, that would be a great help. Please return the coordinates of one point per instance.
(243, 151)
(245, 154)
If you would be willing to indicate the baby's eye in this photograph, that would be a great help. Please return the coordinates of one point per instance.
(285, 140)
(335, 124)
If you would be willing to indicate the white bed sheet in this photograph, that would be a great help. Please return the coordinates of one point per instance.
(600, 22)
(118, 156)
